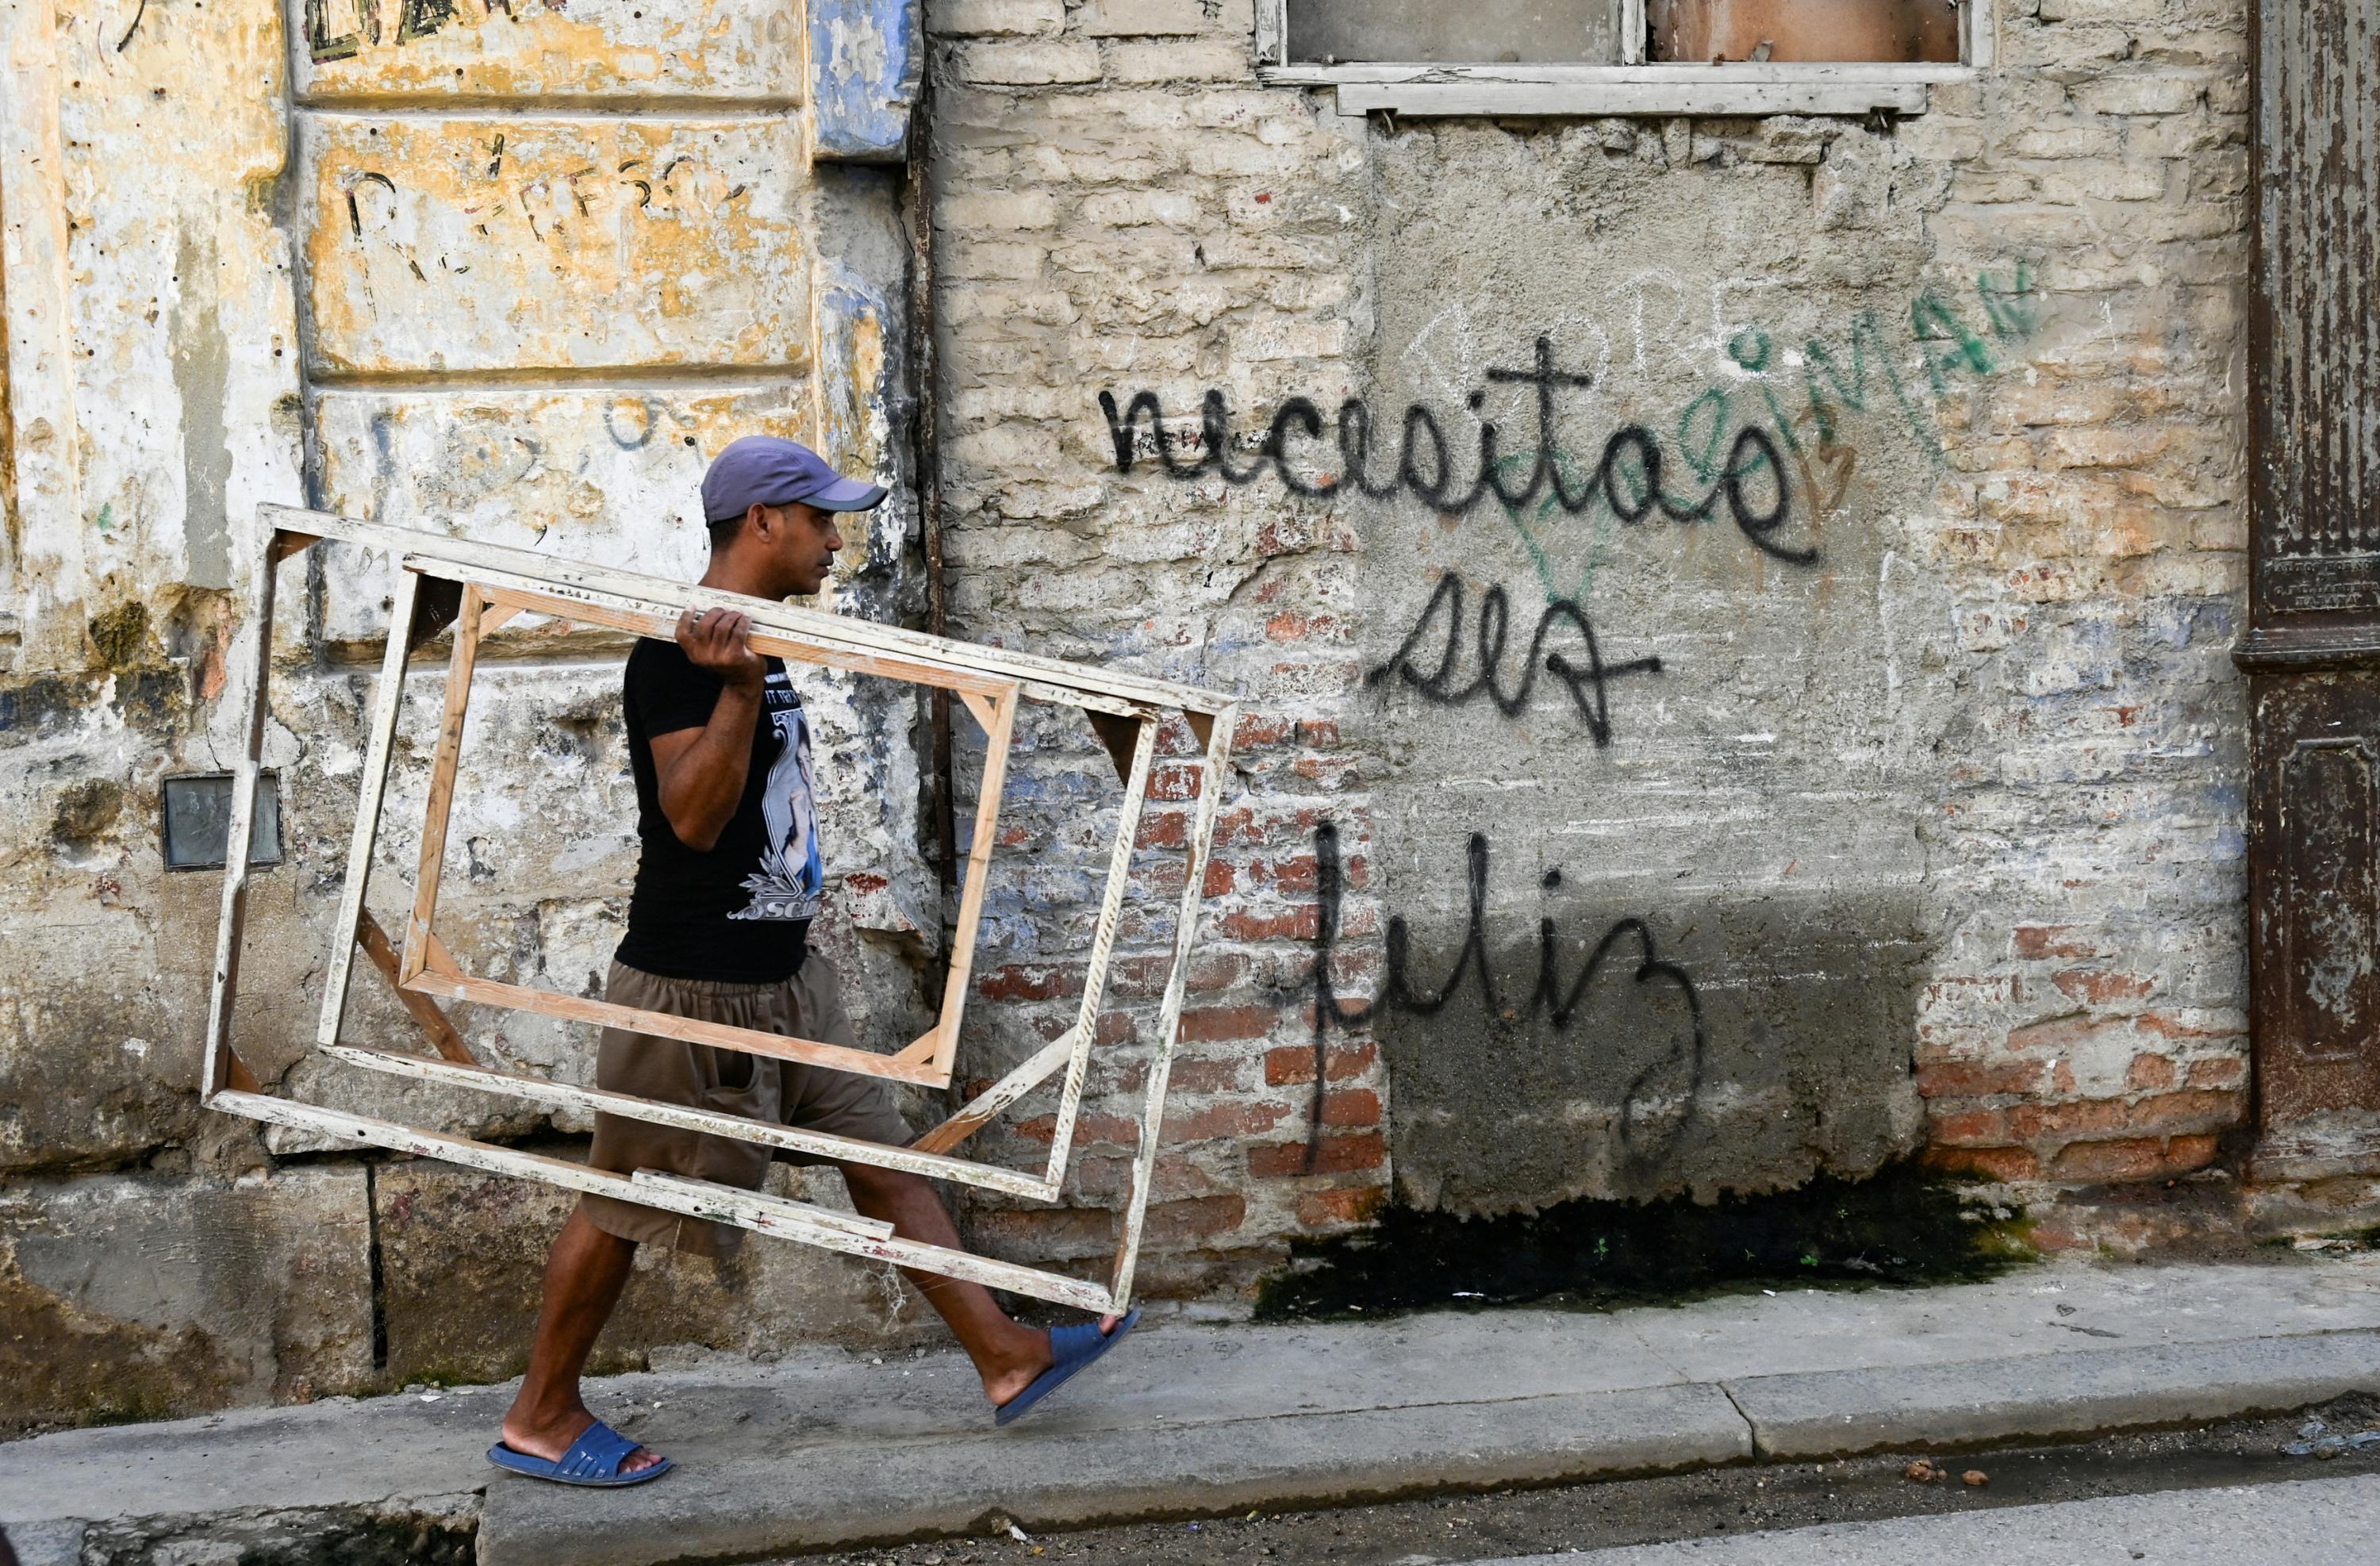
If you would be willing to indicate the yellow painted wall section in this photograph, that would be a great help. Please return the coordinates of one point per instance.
(446, 245)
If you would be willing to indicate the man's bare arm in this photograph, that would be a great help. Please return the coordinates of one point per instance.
(701, 771)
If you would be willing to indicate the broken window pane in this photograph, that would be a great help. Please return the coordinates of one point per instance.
(1476, 32)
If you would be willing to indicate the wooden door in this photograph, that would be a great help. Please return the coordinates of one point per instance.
(2313, 647)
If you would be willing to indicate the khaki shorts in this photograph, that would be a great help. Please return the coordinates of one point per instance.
(809, 1005)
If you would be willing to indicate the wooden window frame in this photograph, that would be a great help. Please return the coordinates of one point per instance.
(440, 580)
(1632, 88)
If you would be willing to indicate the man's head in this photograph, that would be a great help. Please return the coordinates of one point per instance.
(771, 504)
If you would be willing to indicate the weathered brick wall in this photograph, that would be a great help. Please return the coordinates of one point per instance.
(1116, 203)
(2087, 1017)
(1941, 826)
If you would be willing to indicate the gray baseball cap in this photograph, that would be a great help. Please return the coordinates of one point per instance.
(771, 470)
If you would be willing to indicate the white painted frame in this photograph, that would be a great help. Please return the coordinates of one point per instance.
(491, 578)
(1633, 87)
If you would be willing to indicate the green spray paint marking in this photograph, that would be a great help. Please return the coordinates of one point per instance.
(1829, 389)
(1550, 509)
(2011, 309)
(1704, 460)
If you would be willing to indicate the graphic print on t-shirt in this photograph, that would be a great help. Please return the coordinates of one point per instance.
(789, 881)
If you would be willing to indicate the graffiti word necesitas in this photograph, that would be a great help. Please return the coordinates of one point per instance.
(1753, 484)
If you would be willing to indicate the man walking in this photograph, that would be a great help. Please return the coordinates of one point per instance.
(728, 878)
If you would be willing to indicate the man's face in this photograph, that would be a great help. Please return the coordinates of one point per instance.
(802, 544)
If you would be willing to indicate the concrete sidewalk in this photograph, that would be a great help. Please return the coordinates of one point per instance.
(1188, 1419)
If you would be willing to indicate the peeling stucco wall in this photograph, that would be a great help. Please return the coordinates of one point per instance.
(515, 276)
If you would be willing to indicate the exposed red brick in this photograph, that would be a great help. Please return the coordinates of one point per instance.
(1992, 1163)
(1239, 827)
(1174, 782)
(1139, 975)
(2126, 1159)
(1030, 981)
(1332, 1210)
(2033, 1122)
(2052, 1236)
(1226, 1122)
(1257, 729)
(2150, 1072)
(1202, 1025)
(1351, 1107)
(2052, 941)
(1969, 1128)
(1293, 872)
(2168, 1113)
(2097, 987)
(1322, 733)
(2224, 1071)
(1090, 1130)
(1330, 772)
(1301, 923)
(1337, 1155)
(1199, 1218)
(1164, 829)
(1220, 877)
(1210, 971)
(1976, 1079)
(1289, 625)
(1294, 1063)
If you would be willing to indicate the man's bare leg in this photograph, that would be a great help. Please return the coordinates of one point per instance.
(584, 1275)
(1008, 1355)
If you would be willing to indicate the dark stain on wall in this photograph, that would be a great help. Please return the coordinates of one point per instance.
(85, 812)
(1633, 1052)
(1747, 1044)
(1903, 1226)
(120, 635)
(66, 1369)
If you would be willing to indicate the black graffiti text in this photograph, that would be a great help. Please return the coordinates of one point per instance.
(1440, 628)
(1628, 478)
(1647, 1137)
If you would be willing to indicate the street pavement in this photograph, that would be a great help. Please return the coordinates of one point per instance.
(1192, 1418)
(2309, 1522)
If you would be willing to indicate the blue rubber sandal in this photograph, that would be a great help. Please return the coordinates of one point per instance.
(1071, 1349)
(594, 1460)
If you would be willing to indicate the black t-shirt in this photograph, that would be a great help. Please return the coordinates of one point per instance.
(738, 913)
